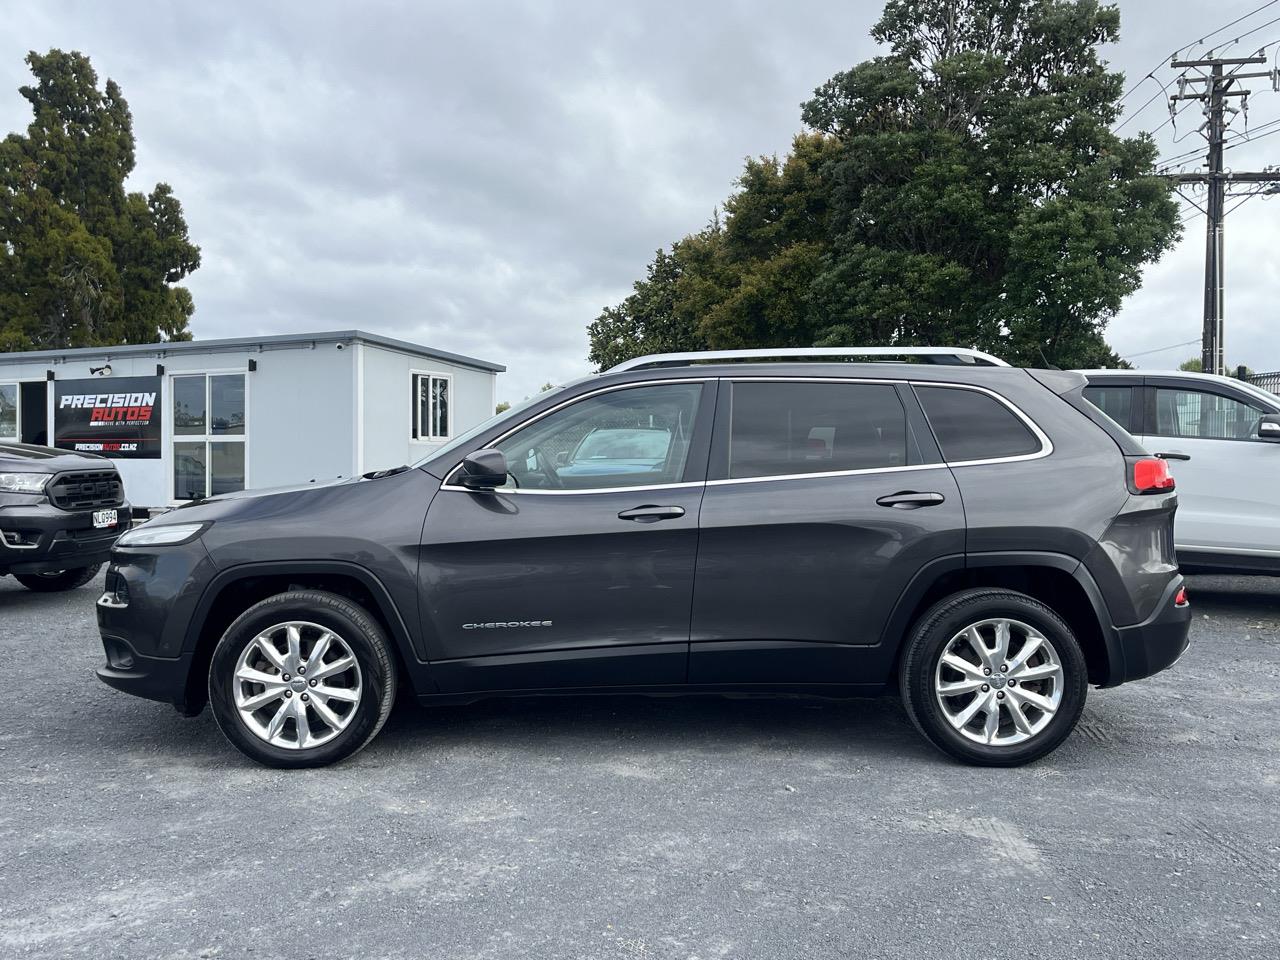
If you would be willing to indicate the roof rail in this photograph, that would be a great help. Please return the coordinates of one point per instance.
(942, 355)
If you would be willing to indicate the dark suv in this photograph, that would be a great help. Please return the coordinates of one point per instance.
(59, 514)
(980, 537)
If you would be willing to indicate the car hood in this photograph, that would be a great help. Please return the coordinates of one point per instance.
(25, 457)
(278, 502)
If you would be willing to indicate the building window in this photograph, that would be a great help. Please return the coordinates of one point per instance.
(8, 411)
(209, 428)
(431, 413)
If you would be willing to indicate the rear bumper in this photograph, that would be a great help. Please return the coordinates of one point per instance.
(1159, 641)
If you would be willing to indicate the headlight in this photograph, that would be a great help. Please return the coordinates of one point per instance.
(23, 482)
(166, 535)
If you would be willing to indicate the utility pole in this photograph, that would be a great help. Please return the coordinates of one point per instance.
(1219, 86)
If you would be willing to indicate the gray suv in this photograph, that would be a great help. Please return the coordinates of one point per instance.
(979, 537)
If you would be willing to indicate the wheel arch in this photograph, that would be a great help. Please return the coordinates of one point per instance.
(237, 588)
(1059, 581)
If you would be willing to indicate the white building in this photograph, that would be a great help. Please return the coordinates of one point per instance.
(187, 420)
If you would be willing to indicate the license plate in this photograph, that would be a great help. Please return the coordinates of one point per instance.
(104, 518)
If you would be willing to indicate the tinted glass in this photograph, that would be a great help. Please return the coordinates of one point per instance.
(9, 410)
(188, 405)
(226, 467)
(788, 428)
(227, 402)
(542, 455)
(1193, 413)
(1115, 402)
(975, 426)
(189, 471)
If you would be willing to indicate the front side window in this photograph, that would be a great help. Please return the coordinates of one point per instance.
(782, 429)
(970, 425)
(431, 406)
(1209, 416)
(624, 438)
(8, 411)
(1115, 402)
(209, 426)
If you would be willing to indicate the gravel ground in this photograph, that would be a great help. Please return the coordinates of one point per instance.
(632, 827)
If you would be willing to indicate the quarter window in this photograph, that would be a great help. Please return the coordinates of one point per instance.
(782, 429)
(970, 425)
(209, 424)
(8, 411)
(624, 438)
(1115, 402)
(1209, 416)
(431, 394)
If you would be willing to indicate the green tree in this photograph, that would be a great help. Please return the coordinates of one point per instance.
(1194, 365)
(963, 188)
(83, 261)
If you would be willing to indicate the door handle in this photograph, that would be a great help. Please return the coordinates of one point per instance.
(1173, 455)
(910, 500)
(651, 514)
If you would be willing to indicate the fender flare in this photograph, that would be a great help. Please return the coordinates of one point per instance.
(381, 596)
(928, 575)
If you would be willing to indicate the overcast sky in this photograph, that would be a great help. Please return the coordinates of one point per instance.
(484, 177)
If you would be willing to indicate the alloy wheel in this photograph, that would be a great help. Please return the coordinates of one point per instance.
(999, 682)
(297, 685)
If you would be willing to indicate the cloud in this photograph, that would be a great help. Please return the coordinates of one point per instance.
(484, 177)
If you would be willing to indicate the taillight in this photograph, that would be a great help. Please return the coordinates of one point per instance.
(1180, 598)
(1151, 475)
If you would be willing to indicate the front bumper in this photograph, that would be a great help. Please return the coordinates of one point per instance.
(41, 538)
(1159, 641)
(154, 678)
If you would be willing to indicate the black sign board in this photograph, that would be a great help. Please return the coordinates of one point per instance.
(117, 417)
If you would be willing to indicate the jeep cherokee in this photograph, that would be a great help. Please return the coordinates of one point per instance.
(980, 537)
(59, 514)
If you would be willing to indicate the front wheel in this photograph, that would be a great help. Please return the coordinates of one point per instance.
(58, 580)
(302, 679)
(993, 677)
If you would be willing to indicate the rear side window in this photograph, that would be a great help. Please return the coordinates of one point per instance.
(791, 428)
(1115, 402)
(975, 426)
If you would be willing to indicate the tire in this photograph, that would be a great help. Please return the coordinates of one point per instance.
(336, 723)
(924, 679)
(59, 581)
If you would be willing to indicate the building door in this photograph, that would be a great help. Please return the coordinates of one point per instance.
(35, 413)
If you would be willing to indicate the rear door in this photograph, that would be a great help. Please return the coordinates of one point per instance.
(1229, 488)
(824, 501)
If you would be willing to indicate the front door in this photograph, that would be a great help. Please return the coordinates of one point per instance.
(1229, 488)
(823, 505)
(579, 571)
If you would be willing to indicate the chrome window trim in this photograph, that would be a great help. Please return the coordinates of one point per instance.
(1046, 445)
(827, 473)
(446, 485)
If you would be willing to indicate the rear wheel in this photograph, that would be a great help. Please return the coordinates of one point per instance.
(993, 677)
(302, 679)
(58, 580)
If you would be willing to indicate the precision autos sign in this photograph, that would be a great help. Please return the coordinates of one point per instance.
(115, 418)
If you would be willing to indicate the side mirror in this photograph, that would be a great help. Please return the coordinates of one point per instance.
(1269, 427)
(484, 470)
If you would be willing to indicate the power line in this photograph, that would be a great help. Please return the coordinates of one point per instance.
(1172, 346)
(1151, 73)
(1219, 85)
